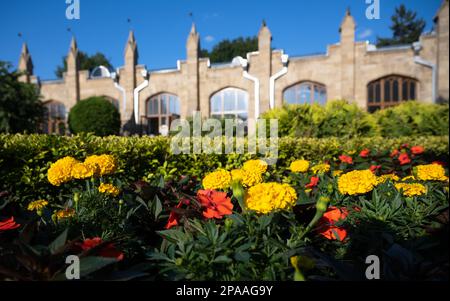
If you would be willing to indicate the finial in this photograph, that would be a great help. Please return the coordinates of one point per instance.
(347, 11)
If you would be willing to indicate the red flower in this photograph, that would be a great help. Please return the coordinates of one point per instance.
(404, 159)
(173, 217)
(364, 153)
(346, 159)
(374, 168)
(106, 251)
(216, 204)
(417, 150)
(394, 153)
(8, 224)
(312, 183)
(327, 223)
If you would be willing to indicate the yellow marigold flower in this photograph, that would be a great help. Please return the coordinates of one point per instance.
(357, 182)
(61, 171)
(407, 178)
(65, 213)
(411, 189)
(37, 205)
(219, 179)
(82, 171)
(101, 165)
(299, 166)
(109, 189)
(320, 168)
(267, 197)
(255, 166)
(431, 172)
(337, 173)
(384, 178)
(247, 178)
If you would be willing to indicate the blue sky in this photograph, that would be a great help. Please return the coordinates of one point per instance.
(161, 26)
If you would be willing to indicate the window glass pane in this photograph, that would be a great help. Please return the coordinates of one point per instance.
(174, 105)
(387, 91)
(229, 100)
(405, 90)
(377, 92)
(289, 96)
(164, 104)
(216, 105)
(395, 92)
(153, 126)
(305, 93)
(370, 93)
(242, 101)
(412, 91)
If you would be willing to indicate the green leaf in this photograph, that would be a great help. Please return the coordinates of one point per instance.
(58, 243)
(242, 256)
(222, 259)
(91, 264)
(158, 207)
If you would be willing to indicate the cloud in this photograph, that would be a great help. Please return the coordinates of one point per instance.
(209, 39)
(365, 33)
(208, 16)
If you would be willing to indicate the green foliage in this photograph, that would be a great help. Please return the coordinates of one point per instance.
(86, 62)
(20, 107)
(413, 118)
(25, 159)
(406, 28)
(226, 50)
(335, 119)
(94, 115)
(340, 119)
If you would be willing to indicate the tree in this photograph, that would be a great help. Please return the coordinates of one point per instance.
(226, 50)
(20, 107)
(94, 115)
(406, 28)
(86, 62)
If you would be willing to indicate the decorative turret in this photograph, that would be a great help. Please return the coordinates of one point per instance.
(72, 74)
(264, 38)
(347, 28)
(193, 44)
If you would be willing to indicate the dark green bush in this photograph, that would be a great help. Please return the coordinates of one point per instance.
(413, 118)
(94, 115)
(340, 119)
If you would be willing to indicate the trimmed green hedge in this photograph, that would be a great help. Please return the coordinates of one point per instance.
(25, 159)
(340, 119)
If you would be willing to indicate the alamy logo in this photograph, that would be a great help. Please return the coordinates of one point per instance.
(373, 10)
(73, 9)
(373, 270)
(73, 270)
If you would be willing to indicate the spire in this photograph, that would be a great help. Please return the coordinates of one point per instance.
(131, 55)
(264, 37)
(348, 23)
(73, 46)
(347, 11)
(25, 63)
(193, 29)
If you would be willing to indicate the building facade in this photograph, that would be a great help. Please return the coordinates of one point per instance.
(356, 71)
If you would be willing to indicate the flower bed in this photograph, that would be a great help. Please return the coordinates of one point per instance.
(130, 209)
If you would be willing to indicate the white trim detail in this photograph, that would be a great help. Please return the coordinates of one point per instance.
(273, 78)
(246, 75)
(136, 91)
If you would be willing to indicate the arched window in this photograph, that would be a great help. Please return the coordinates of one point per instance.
(100, 72)
(54, 118)
(230, 103)
(161, 110)
(390, 91)
(305, 92)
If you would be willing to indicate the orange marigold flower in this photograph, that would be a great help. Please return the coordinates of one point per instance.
(216, 204)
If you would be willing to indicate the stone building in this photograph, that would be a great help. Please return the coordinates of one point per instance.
(357, 71)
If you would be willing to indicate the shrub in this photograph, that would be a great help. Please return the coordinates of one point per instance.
(340, 119)
(413, 118)
(336, 118)
(94, 115)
